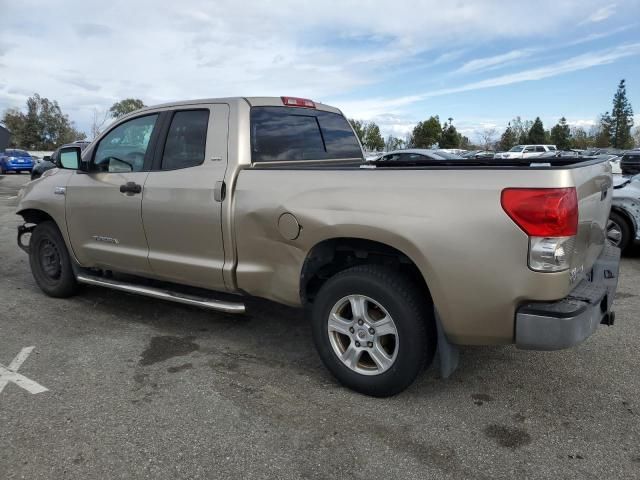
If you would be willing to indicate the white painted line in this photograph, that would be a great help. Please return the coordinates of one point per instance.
(10, 374)
(11, 198)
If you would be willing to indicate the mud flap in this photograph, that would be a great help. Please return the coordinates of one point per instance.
(448, 353)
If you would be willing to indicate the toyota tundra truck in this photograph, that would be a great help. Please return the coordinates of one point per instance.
(209, 202)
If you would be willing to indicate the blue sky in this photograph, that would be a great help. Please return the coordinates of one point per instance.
(396, 63)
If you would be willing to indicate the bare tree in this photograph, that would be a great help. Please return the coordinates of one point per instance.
(488, 136)
(99, 119)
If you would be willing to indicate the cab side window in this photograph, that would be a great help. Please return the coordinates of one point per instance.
(124, 148)
(186, 140)
(530, 149)
(540, 148)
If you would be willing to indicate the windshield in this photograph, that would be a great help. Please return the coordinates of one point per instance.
(552, 148)
(517, 148)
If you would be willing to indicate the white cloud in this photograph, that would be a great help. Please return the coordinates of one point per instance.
(376, 106)
(601, 14)
(160, 50)
(496, 61)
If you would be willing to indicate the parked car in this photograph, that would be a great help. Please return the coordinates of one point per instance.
(267, 197)
(623, 229)
(15, 160)
(412, 156)
(48, 163)
(479, 154)
(526, 151)
(630, 163)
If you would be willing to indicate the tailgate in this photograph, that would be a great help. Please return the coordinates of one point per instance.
(594, 188)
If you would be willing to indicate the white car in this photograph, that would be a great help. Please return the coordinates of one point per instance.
(527, 151)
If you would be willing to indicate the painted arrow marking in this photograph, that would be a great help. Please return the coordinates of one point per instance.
(10, 374)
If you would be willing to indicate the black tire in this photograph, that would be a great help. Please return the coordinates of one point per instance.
(50, 262)
(2, 170)
(626, 230)
(412, 315)
(35, 174)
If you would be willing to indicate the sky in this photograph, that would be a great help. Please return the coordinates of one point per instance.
(395, 63)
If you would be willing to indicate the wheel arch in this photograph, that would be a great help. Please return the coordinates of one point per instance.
(624, 213)
(333, 255)
(35, 216)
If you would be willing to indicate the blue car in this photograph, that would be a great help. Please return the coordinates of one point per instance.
(14, 160)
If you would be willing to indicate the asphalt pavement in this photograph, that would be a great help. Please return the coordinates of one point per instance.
(139, 388)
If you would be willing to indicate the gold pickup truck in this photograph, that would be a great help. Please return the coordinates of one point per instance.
(206, 202)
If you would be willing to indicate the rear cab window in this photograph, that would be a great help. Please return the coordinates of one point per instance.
(297, 134)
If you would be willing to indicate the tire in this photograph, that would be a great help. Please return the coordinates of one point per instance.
(50, 262)
(35, 174)
(386, 293)
(619, 231)
(2, 170)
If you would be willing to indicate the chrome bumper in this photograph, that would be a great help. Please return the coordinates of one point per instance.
(568, 322)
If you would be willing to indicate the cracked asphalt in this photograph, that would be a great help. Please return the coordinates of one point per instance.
(140, 388)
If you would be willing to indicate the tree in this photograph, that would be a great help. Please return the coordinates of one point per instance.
(488, 136)
(42, 127)
(357, 126)
(450, 137)
(98, 121)
(427, 133)
(603, 131)
(580, 139)
(536, 132)
(636, 137)
(373, 141)
(622, 119)
(125, 106)
(561, 135)
(508, 139)
(393, 143)
(521, 129)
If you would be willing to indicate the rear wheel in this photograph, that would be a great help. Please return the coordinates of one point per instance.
(619, 232)
(50, 261)
(374, 329)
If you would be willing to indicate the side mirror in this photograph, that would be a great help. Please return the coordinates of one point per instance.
(70, 158)
(46, 158)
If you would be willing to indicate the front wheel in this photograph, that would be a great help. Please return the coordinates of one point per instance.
(374, 329)
(50, 262)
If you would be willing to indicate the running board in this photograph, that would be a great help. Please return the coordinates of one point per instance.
(211, 304)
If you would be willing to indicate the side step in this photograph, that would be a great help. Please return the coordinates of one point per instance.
(208, 303)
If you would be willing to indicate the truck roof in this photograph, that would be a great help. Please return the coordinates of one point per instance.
(251, 101)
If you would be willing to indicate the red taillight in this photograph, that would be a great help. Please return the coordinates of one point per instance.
(543, 212)
(298, 102)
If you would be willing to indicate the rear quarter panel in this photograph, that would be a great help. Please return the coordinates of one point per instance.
(449, 222)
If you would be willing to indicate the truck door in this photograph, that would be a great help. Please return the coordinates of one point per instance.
(104, 205)
(182, 206)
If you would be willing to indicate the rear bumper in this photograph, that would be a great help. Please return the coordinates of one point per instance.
(569, 321)
(20, 167)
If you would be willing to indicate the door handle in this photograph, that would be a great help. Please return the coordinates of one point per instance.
(131, 188)
(219, 191)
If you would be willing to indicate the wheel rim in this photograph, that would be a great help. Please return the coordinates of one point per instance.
(49, 259)
(614, 232)
(363, 335)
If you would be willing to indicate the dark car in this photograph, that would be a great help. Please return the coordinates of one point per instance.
(630, 163)
(14, 160)
(48, 163)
